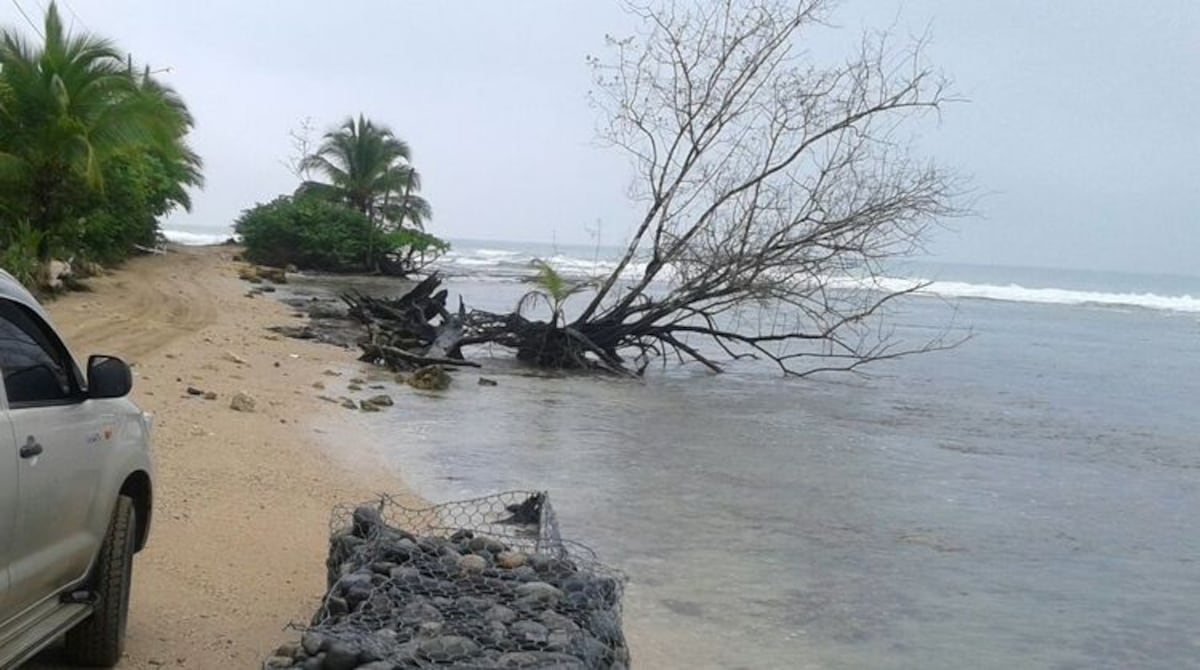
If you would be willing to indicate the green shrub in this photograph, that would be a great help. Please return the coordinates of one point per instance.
(307, 232)
(19, 253)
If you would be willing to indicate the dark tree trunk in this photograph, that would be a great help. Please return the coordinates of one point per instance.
(411, 331)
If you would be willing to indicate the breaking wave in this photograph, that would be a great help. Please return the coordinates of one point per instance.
(502, 264)
(1062, 296)
(512, 265)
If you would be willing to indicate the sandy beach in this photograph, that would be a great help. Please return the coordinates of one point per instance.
(243, 500)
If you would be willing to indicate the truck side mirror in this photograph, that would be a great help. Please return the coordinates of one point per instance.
(108, 377)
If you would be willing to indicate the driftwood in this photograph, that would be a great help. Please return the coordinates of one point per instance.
(412, 331)
(416, 330)
(399, 359)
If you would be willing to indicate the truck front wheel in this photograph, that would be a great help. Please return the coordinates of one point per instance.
(99, 640)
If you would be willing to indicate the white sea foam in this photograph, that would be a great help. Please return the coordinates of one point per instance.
(472, 262)
(189, 238)
(496, 253)
(1060, 296)
(1018, 293)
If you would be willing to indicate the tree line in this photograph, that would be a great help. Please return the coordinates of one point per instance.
(93, 150)
(94, 154)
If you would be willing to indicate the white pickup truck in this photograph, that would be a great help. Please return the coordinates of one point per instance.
(75, 491)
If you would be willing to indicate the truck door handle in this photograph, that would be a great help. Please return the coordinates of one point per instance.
(31, 448)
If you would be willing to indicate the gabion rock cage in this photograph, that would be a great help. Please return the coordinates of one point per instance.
(481, 583)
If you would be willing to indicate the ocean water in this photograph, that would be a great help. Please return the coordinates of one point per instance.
(1026, 500)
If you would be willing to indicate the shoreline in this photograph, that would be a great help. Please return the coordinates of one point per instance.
(242, 499)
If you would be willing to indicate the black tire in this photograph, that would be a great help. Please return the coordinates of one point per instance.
(99, 640)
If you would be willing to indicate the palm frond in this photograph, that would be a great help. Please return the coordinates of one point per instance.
(557, 286)
(71, 106)
(320, 190)
(13, 169)
(530, 300)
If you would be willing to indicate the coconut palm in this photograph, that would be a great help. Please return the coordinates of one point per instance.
(170, 148)
(67, 107)
(553, 289)
(369, 169)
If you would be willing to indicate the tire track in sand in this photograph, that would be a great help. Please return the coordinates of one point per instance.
(152, 302)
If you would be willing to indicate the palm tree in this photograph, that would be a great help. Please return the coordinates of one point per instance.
(553, 289)
(67, 107)
(170, 147)
(370, 170)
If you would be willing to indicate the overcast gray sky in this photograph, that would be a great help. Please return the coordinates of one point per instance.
(1082, 126)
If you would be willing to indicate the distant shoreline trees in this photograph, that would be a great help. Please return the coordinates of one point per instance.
(366, 216)
(93, 150)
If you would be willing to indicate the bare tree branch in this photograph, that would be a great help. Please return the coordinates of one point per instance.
(769, 181)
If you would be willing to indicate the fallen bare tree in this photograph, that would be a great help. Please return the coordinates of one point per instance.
(770, 185)
(775, 193)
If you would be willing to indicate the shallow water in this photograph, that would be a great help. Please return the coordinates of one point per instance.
(1027, 500)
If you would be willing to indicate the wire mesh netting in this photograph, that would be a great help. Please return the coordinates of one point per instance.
(481, 583)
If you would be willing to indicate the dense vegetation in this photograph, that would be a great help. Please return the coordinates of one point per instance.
(92, 150)
(366, 216)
